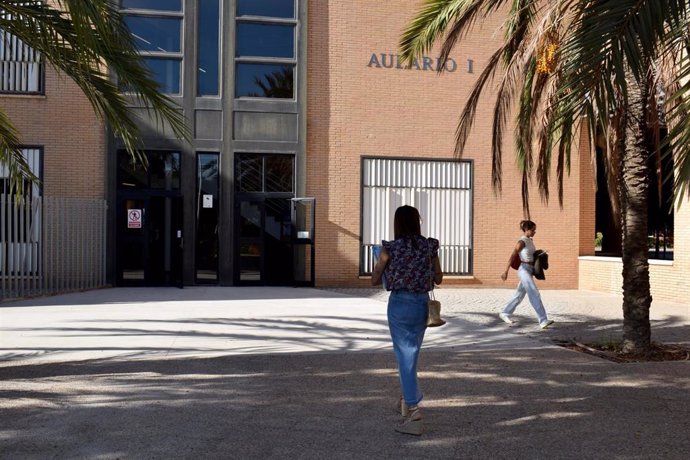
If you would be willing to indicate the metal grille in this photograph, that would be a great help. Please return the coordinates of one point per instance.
(21, 67)
(440, 190)
(50, 245)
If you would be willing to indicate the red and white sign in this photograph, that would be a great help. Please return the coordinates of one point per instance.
(134, 218)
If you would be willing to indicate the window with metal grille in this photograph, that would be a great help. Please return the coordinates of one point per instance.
(440, 190)
(20, 220)
(21, 67)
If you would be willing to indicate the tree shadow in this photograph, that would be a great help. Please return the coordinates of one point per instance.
(490, 404)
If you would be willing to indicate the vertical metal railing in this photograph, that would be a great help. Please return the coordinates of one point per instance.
(51, 245)
(21, 67)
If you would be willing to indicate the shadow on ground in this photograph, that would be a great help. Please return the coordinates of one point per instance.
(500, 404)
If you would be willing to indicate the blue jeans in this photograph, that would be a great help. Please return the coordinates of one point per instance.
(407, 313)
(526, 286)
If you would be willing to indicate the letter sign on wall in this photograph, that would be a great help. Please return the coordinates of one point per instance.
(425, 63)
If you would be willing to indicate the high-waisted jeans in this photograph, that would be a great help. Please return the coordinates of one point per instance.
(526, 286)
(407, 313)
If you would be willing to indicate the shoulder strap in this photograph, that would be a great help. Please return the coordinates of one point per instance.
(431, 267)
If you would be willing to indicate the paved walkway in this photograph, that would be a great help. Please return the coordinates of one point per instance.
(307, 373)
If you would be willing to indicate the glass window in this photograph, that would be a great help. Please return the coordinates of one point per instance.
(155, 34)
(264, 80)
(20, 219)
(130, 173)
(279, 173)
(265, 40)
(164, 170)
(208, 53)
(269, 8)
(162, 5)
(440, 190)
(166, 72)
(207, 217)
(21, 67)
(250, 219)
(249, 173)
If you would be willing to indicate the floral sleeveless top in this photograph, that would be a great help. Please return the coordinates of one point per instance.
(409, 269)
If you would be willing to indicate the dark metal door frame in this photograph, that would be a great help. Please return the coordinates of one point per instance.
(176, 238)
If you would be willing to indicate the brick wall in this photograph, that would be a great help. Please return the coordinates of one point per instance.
(669, 280)
(355, 110)
(73, 138)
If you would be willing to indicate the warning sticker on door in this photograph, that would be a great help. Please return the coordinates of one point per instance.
(134, 218)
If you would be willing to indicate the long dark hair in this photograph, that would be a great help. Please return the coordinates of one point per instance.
(406, 224)
(527, 225)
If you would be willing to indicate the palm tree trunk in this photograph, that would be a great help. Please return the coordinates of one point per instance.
(634, 197)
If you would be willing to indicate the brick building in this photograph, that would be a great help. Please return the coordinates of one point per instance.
(307, 133)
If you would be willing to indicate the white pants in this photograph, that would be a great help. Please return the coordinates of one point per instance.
(526, 286)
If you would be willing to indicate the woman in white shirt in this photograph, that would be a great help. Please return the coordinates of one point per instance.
(524, 249)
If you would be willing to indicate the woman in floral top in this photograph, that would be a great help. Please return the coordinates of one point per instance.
(411, 265)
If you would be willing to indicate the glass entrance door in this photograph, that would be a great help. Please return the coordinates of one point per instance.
(264, 186)
(264, 250)
(149, 240)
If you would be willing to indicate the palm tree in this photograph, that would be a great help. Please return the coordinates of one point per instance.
(617, 67)
(87, 41)
(278, 83)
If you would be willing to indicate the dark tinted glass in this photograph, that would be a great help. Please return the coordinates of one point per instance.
(264, 80)
(248, 173)
(163, 5)
(279, 174)
(164, 170)
(250, 219)
(166, 72)
(209, 35)
(250, 262)
(131, 174)
(269, 8)
(207, 218)
(155, 34)
(265, 40)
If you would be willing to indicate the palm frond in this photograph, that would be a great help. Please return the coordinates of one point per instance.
(88, 41)
(12, 162)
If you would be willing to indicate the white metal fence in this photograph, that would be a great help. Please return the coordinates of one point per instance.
(51, 245)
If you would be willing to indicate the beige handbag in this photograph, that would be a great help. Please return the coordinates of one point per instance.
(433, 318)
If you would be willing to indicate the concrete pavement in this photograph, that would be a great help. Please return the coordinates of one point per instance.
(307, 373)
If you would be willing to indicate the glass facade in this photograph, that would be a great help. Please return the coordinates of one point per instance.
(161, 172)
(159, 5)
(268, 8)
(207, 203)
(265, 40)
(208, 48)
(264, 80)
(157, 30)
(265, 53)
(264, 173)
(156, 34)
(238, 226)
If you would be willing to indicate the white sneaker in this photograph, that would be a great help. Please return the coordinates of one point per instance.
(506, 318)
(546, 323)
